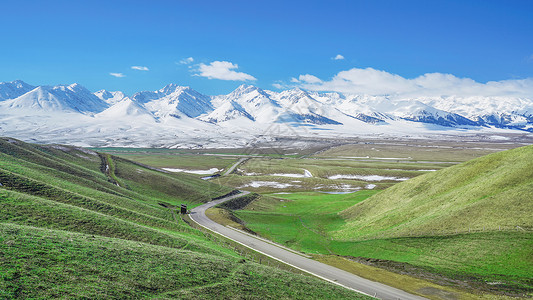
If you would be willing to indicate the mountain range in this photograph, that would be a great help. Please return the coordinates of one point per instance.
(178, 116)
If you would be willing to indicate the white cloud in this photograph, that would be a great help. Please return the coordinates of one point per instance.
(278, 86)
(338, 57)
(307, 78)
(120, 75)
(186, 61)
(376, 82)
(294, 80)
(222, 70)
(140, 68)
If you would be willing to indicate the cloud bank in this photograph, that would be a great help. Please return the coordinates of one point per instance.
(376, 82)
(223, 70)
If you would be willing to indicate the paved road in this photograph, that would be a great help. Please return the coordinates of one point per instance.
(314, 267)
(234, 166)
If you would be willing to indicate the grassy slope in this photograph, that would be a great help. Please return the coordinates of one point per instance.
(489, 192)
(71, 227)
(300, 220)
(52, 264)
(308, 222)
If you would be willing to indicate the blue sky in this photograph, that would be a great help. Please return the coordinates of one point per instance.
(271, 42)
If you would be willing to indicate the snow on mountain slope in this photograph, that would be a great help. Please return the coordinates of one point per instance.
(175, 101)
(249, 101)
(68, 98)
(228, 110)
(417, 111)
(503, 112)
(14, 89)
(302, 107)
(126, 109)
(110, 98)
(177, 116)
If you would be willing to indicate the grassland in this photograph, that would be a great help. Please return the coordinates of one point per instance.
(300, 220)
(389, 161)
(493, 261)
(183, 161)
(491, 193)
(80, 224)
(466, 225)
(417, 150)
(289, 173)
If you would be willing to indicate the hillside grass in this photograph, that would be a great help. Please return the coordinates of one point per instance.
(416, 150)
(497, 261)
(489, 193)
(39, 263)
(300, 220)
(80, 224)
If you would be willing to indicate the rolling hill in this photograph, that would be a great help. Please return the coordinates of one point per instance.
(468, 226)
(75, 223)
(490, 193)
(470, 222)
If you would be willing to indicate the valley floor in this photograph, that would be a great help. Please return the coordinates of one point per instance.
(302, 192)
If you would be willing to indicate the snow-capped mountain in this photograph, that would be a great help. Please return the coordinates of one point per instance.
(110, 97)
(175, 101)
(248, 101)
(67, 98)
(14, 89)
(226, 111)
(126, 108)
(177, 116)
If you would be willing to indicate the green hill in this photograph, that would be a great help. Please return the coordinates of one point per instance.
(468, 226)
(75, 223)
(491, 193)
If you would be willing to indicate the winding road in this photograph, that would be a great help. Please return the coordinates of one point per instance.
(228, 171)
(318, 269)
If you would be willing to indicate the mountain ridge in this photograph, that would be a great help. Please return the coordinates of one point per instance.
(180, 112)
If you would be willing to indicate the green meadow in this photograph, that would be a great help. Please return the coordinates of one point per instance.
(463, 219)
(470, 222)
(79, 224)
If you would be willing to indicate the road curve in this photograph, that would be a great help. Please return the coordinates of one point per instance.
(326, 272)
(228, 171)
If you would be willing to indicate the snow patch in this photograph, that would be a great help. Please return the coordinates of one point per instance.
(272, 184)
(368, 177)
(199, 172)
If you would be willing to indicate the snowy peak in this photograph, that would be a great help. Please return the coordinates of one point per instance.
(110, 98)
(245, 89)
(125, 108)
(251, 100)
(68, 98)
(229, 110)
(292, 96)
(175, 101)
(14, 89)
